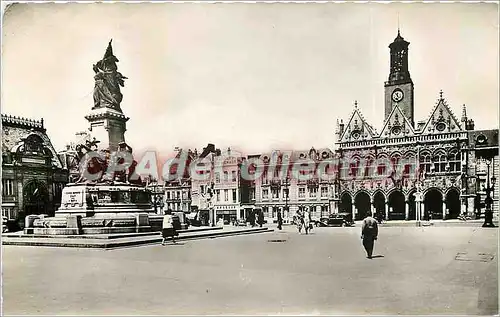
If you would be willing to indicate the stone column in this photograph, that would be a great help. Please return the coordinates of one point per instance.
(354, 211)
(372, 207)
(407, 209)
(386, 210)
(444, 209)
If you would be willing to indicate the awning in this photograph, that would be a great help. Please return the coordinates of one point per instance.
(226, 212)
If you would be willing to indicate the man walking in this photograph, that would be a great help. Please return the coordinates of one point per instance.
(369, 233)
(280, 220)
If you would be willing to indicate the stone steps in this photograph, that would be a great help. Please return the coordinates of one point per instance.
(126, 241)
(20, 234)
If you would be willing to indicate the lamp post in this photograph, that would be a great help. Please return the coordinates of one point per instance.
(418, 193)
(488, 213)
(286, 192)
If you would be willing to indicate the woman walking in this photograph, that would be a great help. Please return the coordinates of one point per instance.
(307, 221)
(168, 229)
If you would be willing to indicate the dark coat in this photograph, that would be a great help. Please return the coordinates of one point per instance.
(369, 228)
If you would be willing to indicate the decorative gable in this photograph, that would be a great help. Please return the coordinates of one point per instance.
(397, 124)
(357, 128)
(442, 119)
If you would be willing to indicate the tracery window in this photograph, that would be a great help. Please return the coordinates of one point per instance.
(426, 162)
(455, 161)
(440, 163)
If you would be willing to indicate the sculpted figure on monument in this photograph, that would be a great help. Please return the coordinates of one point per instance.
(107, 82)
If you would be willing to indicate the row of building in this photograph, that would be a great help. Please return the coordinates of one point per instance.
(459, 161)
(459, 164)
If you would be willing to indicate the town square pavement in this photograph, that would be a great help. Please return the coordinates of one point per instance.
(415, 271)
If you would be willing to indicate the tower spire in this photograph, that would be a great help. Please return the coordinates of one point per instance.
(398, 26)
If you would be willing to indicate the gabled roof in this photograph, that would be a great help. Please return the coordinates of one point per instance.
(397, 124)
(357, 128)
(15, 130)
(441, 119)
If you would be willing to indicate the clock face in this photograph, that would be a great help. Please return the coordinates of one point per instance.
(397, 95)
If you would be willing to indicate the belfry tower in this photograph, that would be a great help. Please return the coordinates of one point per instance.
(399, 87)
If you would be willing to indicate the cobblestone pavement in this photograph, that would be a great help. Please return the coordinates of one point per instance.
(326, 272)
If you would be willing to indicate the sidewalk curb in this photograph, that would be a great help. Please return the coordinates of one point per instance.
(126, 241)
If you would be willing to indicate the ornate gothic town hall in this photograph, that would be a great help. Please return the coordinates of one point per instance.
(453, 176)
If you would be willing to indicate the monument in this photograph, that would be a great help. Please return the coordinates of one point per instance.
(103, 198)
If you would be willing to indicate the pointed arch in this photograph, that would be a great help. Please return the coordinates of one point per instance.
(452, 200)
(412, 204)
(362, 201)
(433, 203)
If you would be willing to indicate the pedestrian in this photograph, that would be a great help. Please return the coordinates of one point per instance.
(299, 220)
(168, 229)
(280, 220)
(261, 218)
(369, 233)
(307, 221)
(252, 218)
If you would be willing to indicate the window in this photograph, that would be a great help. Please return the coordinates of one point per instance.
(178, 195)
(226, 195)
(226, 176)
(265, 211)
(252, 193)
(275, 212)
(285, 193)
(324, 191)
(455, 161)
(217, 177)
(235, 198)
(324, 211)
(265, 194)
(425, 160)
(217, 192)
(202, 189)
(315, 211)
(7, 187)
(264, 177)
(302, 192)
(313, 192)
(275, 193)
(9, 213)
(233, 175)
(440, 163)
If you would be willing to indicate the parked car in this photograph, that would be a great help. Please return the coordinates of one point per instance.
(335, 220)
(240, 222)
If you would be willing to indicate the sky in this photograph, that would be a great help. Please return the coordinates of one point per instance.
(255, 77)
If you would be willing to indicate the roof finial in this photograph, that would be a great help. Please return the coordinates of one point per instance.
(355, 103)
(398, 25)
(441, 94)
(464, 113)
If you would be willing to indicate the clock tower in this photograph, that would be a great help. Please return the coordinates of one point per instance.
(399, 87)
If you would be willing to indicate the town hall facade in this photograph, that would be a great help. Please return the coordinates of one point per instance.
(449, 175)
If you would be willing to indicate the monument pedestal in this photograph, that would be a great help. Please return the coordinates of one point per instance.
(107, 125)
(99, 209)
